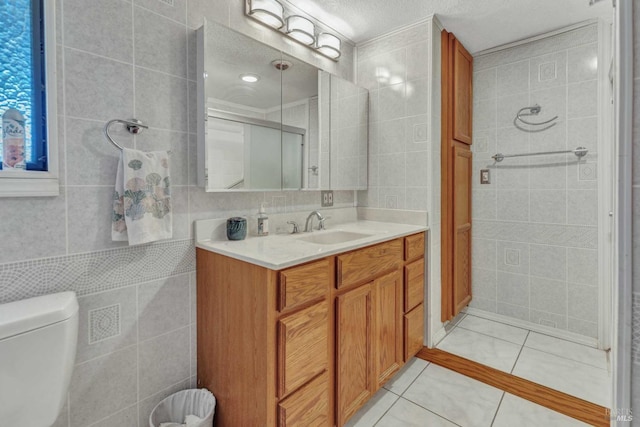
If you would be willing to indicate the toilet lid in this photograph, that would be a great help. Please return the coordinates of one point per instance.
(26, 315)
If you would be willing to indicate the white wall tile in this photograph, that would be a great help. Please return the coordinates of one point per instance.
(175, 9)
(583, 303)
(548, 261)
(161, 100)
(513, 78)
(391, 136)
(166, 361)
(103, 386)
(548, 71)
(589, 329)
(87, 146)
(484, 282)
(582, 266)
(120, 330)
(535, 197)
(582, 207)
(392, 101)
(126, 417)
(553, 320)
(160, 43)
(104, 28)
(582, 100)
(513, 289)
(85, 99)
(549, 295)
(32, 228)
(549, 206)
(484, 204)
(485, 84)
(513, 205)
(583, 63)
(163, 305)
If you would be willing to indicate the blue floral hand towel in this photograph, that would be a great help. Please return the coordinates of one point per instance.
(142, 198)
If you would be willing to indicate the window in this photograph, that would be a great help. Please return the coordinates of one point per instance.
(28, 160)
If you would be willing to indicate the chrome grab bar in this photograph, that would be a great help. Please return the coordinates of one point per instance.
(579, 152)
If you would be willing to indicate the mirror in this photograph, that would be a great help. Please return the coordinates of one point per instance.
(265, 119)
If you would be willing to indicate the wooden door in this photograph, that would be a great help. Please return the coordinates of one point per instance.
(354, 350)
(462, 170)
(457, 103)
(387, 339)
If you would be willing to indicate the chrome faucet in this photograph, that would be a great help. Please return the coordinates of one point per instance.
(310, 220)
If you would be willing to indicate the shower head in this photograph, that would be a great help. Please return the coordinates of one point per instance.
(592, 2)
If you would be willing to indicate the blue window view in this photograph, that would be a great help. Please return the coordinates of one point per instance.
(22, 86)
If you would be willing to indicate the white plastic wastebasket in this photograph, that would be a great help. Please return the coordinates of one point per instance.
(174, 408)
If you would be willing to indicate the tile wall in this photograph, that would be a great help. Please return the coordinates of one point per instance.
(635, 357)
(402, 73)
(535, 225)
(121, 59)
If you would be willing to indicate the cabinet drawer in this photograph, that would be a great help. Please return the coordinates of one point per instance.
(365, 264)
(413, 284)
(413, 246)
(302, 347)
(308, 407)
(413, 332)
(302, 284)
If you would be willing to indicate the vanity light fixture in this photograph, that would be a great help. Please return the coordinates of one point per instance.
(249, 78)
(301, 29)
(328, 45)
(269, 12)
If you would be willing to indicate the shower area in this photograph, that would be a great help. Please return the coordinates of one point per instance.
(539, 122)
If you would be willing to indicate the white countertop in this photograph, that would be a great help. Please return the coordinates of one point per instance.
(285, 250)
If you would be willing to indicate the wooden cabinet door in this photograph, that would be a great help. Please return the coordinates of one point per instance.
(387, 338)
(308, 407)
(303, 339)
(462, 170)
(462, 93)
(413, 332)
(457, 101)
(354, 383)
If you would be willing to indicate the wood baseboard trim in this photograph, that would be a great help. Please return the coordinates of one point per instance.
(566, 404)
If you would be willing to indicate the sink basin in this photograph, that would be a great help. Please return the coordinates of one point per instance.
(332, 237)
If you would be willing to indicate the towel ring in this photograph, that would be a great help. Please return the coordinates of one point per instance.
(134, 126)
(533, 111)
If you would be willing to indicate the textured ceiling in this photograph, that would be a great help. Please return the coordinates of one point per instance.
(479, 24)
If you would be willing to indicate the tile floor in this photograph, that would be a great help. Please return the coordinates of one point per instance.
(572, 368)
(424, 394)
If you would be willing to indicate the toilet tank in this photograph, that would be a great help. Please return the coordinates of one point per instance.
(38, 338)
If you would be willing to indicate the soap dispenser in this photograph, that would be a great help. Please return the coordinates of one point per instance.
(263, 221)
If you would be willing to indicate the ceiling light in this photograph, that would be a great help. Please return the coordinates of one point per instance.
(269, 12)
(328, 45)
(301, 29)
(249, 78)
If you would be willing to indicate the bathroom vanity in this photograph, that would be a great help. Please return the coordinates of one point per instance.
(303, 329)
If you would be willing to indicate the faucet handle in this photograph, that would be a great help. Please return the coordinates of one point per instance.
(296, 228)
(321, 222)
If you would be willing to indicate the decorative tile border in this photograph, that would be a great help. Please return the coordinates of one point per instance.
(576, 236)
(96, 271)
(635, 330)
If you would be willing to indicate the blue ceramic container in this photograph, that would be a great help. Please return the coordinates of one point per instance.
(236, 228)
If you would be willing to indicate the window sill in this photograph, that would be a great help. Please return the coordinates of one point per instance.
(28, 184)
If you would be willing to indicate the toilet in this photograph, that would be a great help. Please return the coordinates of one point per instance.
(38, 338)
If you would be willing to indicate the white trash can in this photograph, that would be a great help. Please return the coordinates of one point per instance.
(174, 408)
